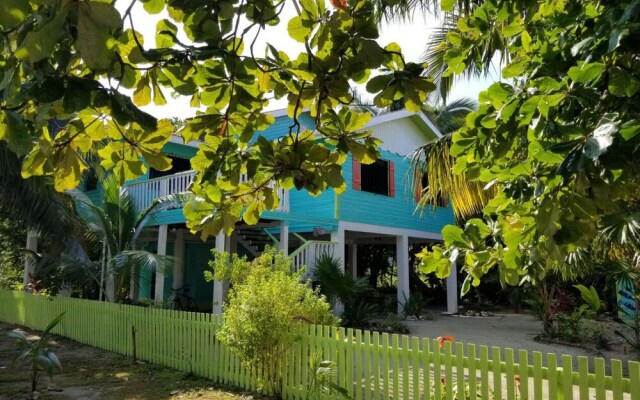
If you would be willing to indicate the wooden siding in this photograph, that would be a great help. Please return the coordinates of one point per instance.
(398, 211)
(401, 136)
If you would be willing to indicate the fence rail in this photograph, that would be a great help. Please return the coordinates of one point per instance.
(370, 365)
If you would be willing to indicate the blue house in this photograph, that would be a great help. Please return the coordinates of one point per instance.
(378, 207)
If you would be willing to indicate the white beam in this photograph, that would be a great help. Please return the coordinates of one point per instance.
(452, 290)
(387, 230)
(353, 258)
(338, 237)
(284, 237)
(29, 262)
(402, 260)
(218, 286)
(178, 260)
(162, 251)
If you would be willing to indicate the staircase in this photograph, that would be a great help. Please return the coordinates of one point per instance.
(307, 254)
(255, 240)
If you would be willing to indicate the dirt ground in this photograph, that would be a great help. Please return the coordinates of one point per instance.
(93, 374)
(515, 331)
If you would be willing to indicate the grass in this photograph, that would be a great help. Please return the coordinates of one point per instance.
(90, 373)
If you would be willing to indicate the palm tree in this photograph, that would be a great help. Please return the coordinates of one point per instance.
(116, 224)
(434, 182)
(33, 201)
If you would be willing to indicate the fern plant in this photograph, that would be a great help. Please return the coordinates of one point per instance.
(36, 354)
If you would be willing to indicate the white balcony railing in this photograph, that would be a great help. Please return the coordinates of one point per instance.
(146, 191)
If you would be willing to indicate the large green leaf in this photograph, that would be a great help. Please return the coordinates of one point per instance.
(96, 24)
(39, 44)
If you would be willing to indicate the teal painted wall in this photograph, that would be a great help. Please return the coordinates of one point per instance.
(197, 256)
(307, 211)
(398, 211)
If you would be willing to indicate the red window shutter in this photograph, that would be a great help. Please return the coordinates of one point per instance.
(357, 181)
(392, 179)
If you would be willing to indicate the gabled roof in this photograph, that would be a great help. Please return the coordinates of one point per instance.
(417, 117)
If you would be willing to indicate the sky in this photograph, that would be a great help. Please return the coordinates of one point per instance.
(411, 36)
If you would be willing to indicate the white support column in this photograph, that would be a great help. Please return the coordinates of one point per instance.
(338, 237)
(452, 290)
(29, 262)
(178, 260)
(284, 237)
(402, 260)
(218, 286)
(353, 260)
(163, 230)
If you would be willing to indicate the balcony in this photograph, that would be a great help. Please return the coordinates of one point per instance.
(146, 191)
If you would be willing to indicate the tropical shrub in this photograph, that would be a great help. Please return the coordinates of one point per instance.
(321, 384)
(591, 298)
(341, 287)
(265, 302)
(414, 305)
(36, 354)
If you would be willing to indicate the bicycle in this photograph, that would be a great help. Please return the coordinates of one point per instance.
(181, 300)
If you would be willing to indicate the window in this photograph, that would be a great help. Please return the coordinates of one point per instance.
(378, 178)
(177, 165)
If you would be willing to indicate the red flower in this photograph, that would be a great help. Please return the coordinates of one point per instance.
(444, 339)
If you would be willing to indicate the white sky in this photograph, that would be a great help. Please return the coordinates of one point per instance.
(411, 36)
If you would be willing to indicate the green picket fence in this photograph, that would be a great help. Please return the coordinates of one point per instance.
(369, 365)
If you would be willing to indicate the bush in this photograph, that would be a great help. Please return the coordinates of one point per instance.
(265, 301)
(342, 287)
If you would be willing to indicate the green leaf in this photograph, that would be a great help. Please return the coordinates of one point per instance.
(96, 44)
(630, 129)
(455, 236)
(587, 72)
(153, 6)
(298, 29)
(166, 32)
(13, 13)
(526, 40)
(512, 29)
(616, 37)
(447, 5)
(514, 69)
(39, 44)
(622, 83)
(548, 218)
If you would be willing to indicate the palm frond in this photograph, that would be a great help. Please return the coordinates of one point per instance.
(436, 184)
(170, 202)
(404, 10)
(33, 201)
(452, 116)
(478, 60)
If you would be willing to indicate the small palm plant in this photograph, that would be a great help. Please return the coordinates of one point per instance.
(36, 354)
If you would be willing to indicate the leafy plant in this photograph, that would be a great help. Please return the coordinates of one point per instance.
(36, 354)
(339, 286)
(322, 383)
(392, 324)
(569, 327)
(414, 305)
(591, 298)
(265, 303)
